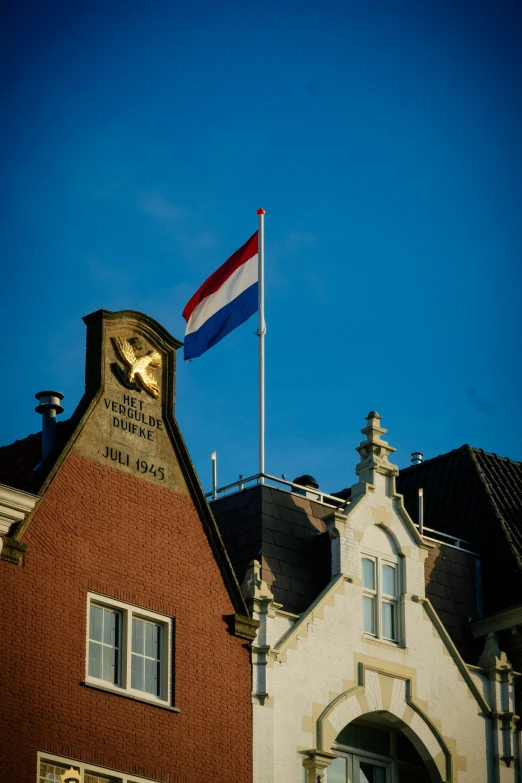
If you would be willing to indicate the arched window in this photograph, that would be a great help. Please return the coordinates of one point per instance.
(381, 585)
(371, 752)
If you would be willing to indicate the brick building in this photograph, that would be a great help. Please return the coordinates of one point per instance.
(384, 655)
(387, 644)
(124, 636)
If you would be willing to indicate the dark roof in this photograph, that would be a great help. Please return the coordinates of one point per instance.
(476, 496)
(451, 586)
(285, 533)
(19, 460)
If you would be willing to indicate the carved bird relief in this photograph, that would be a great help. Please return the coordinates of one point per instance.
(138, 365)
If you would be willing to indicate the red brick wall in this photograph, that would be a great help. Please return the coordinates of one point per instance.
(97, 528)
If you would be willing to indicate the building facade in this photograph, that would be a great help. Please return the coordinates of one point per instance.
(281, 635)
(356, 676)
(124, 635)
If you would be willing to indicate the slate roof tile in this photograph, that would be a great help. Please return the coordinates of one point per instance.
(296, 560)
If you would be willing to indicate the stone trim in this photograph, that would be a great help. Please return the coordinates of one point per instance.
(314, 612)
(12, 550)
(378, 689)
(245, 627)
(500, 621)
(130, 696)
(316, 764)
(15, 504)
(446, 638)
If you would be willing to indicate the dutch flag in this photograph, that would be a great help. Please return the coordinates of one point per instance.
(225, 300)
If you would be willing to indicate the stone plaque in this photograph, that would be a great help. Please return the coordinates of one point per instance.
(130, 424)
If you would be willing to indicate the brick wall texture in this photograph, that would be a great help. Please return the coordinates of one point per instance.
(99, 529)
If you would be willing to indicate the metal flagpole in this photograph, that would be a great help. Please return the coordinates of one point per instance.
(261, 329)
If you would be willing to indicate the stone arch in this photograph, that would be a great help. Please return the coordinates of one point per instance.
(390, 518)
(380, 539)
(391, 696)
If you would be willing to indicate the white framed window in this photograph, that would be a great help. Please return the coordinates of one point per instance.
(57, 769)
(129, 649)
(380, 579)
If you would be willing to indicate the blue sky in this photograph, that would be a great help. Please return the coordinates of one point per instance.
(383, 140)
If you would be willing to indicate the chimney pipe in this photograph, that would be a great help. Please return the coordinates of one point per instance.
(417, 457)
(421, 511)
(49, 406)
(213, 457)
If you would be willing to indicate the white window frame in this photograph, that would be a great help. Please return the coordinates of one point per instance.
(128, 612)
(88, 769)
(380, 598)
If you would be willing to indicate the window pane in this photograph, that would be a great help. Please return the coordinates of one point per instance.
(388, 581)
(110, 627)
(370, 773)
(104, 643)
(368, 573)
(96, 623)
(107, 664)
(151, 676)
(50, 773)
(336, 772)
(152, 634)
(146, 656)
(388, 621)
(137, 680)
(369, 613)
(95, 660)
(137, 636)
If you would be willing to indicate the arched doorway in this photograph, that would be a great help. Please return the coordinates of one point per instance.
(375, 749)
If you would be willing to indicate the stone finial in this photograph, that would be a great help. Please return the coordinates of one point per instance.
(253, 586)
(492, 657)
(374, 451)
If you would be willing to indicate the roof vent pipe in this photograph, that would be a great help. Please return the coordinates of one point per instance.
(417, 457)
(49, 406)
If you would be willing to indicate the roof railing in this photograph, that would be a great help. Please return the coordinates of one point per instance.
(454, 541)
(262, 478)
(327, 500)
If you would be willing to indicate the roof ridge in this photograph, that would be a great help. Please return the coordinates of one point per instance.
(465, 447)
(489, 490)
(493, 454)
(36, 434)
(437, 456)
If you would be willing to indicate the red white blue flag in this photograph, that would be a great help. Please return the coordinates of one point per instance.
(225, 300)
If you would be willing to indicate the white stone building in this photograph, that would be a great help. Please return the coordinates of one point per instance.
(357, 679)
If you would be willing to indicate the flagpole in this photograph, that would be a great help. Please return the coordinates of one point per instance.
(261, 329)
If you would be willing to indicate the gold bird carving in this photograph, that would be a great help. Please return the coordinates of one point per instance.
(138, 365)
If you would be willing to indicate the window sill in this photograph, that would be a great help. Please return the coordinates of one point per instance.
(131, 696)
(376, 640)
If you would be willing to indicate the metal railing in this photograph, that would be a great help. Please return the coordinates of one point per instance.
(331, 501)
(262, 478)
(454, 541)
